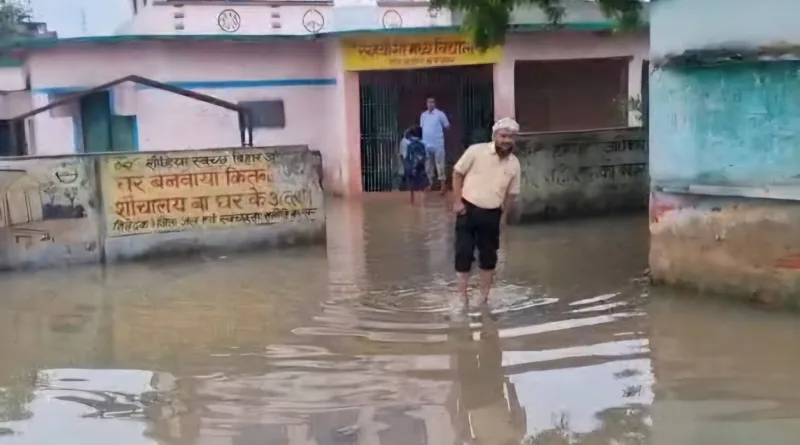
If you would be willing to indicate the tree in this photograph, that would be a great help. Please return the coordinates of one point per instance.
(13, 16)
(627, 425)
(486, 21)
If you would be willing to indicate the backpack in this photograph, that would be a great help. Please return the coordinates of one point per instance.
(415, 157)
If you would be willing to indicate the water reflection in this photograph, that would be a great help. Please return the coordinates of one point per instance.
(66, 406)
(487, 409)
(726, 374)
(364, 342)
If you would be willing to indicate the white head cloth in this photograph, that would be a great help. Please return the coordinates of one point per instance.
(506, 123)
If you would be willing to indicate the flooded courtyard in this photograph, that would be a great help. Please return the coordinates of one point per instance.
(363, 342)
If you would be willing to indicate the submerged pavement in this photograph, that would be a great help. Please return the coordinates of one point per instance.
(363, 342)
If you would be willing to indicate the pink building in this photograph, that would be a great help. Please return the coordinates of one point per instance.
(296, 64)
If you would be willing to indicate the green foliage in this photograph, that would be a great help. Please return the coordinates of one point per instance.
(486, 21)
(620, 426)
(12, 14)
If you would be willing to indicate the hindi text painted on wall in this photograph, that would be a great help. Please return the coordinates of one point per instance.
(405, 52)
(216, 189)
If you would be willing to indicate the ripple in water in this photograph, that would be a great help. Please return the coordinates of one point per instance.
(416, 315)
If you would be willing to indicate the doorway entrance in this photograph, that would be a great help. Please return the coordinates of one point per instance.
(392, 101)
(101, 129)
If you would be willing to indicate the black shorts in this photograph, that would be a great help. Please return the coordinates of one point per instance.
(479, 229)
(416, 180)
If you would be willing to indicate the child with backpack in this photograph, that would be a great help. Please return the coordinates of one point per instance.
(414, 156)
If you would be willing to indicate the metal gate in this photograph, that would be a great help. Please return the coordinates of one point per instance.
(392, 101)
(379, 136)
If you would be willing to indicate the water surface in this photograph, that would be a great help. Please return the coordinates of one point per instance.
(364, 342)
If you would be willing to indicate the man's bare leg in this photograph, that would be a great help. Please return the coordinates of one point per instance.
(487, 280)
(463, 286)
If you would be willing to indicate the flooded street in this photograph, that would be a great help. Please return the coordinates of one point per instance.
(363, 342)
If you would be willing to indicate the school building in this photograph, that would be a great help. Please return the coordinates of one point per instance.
(343, 79)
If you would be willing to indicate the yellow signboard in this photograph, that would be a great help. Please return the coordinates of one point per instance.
(148, 193)
(405, 52)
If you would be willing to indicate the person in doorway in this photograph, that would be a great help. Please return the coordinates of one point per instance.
(486, 182)
(401, 156)
(413, 156)
(434, 122)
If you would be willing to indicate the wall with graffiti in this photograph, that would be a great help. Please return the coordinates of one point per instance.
(212, 199)
(47, 212)
(89, 209)
(583, 173)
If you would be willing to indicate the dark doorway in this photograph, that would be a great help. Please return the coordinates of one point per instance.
(645, 102)
(392, 101)
(566, 95)
(102, 130)
(12, 143)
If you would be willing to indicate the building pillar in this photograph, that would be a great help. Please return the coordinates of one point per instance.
(352, 112)
(342, 140)
(503, 80)
(635, 89)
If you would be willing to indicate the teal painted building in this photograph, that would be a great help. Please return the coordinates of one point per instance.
(725, 146)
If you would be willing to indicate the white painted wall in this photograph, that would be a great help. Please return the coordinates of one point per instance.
(199, 19)
(170, 122)
(678, 25)
(366, 17)
(334, 126)
(15, 103)
(12, 78)
(81, 18)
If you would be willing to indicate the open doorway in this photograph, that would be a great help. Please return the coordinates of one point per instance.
(102, 130)
(392, 101)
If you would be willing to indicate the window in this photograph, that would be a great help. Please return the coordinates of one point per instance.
(569, 95)
(266, 113)
(102, 130)
(12, 143)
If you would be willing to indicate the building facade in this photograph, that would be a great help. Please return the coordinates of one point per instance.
(302, 65)
(723, 158)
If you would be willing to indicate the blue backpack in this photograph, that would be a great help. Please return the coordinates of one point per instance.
(415, 157)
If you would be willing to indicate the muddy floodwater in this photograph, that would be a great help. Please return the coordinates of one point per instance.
(364, 342)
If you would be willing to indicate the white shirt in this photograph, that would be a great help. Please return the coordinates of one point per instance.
(404, 147)
(488, 178)
(433, 124)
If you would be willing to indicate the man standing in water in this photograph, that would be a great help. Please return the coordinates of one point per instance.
(433, 122)
(486, 182)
